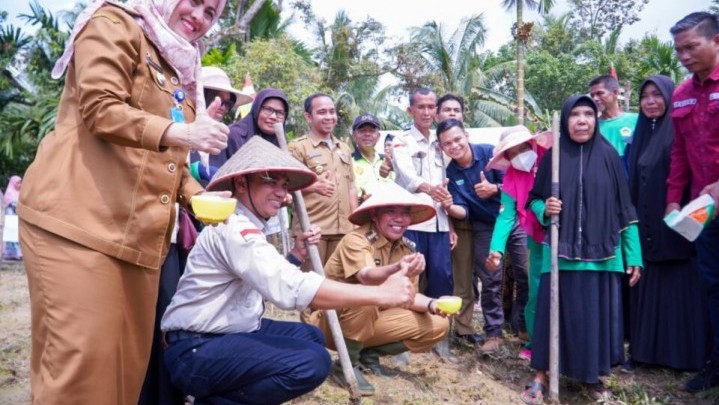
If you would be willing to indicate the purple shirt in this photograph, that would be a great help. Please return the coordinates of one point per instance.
(695, 153)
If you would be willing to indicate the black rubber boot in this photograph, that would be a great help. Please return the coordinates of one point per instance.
(353, 349)
(369, 357)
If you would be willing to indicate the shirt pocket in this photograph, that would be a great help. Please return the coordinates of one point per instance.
(157, 96)
(682, 119)
(318, 163)
(346, 161)
(713, 108)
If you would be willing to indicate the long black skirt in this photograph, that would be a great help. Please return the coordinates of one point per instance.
(670, 324)
(590, 324)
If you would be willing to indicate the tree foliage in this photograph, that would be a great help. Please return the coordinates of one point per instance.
(360, 66)
(28, 96)
(451, 61)
(522, 32)
(273, 63)
(596, 18)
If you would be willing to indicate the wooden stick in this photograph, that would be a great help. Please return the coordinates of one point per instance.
(554, 286)
(334, 323)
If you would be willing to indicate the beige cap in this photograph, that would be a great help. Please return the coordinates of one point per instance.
(512, 137)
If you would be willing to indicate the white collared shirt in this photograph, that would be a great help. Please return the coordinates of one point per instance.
(418, 160)
(230, 272)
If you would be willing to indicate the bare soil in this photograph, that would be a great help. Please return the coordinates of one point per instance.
(425, 380)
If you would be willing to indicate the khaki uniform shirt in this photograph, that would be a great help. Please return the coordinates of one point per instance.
(101, 178)
(329, 213)
(365, 247)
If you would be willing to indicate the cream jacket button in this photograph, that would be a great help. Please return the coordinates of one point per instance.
(172, 167)
(165, 199)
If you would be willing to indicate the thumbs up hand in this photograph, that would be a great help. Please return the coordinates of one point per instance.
(206, 134)
(484, 189)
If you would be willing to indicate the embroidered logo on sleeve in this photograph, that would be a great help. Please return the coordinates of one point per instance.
(410, 244)
(251, 233)
(685, 103)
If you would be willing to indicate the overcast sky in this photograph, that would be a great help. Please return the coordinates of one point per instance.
(398, 15)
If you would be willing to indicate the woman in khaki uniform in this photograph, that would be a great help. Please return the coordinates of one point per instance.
(97, 204)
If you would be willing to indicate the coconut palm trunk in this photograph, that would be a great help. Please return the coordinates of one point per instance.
(522, 33)
(520, 67)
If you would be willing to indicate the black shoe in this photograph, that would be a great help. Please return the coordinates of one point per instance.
(704, 380)
(472, 339)
(628, 366)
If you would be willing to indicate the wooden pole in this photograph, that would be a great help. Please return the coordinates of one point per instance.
(554, 286)
(284, 234)
(331, 314)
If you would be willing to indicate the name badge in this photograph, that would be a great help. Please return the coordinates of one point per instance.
(176, 115)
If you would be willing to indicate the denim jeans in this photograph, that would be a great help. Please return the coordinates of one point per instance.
(278, 362)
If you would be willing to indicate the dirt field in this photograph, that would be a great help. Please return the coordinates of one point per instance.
(426, 380)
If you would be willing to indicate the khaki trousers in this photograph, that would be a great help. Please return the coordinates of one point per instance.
(462, 272)
(374, 327)
(326, 246)
(92, 322)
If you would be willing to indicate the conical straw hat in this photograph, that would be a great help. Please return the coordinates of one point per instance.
(512, 137)
(392, 195)
(260, 156)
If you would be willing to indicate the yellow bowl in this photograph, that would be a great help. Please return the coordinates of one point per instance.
(212, 209)
(449, 304)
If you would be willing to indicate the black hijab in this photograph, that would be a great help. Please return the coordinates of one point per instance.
(593, 189)
(649, 170)
(240, 132)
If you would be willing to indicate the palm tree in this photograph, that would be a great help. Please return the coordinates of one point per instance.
(521, 32)
(660, 59)
(454, 62)
(454, 57)
(30, 113)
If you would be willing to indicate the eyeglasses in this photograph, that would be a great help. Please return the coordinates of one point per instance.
(268, 111)
(229, 103)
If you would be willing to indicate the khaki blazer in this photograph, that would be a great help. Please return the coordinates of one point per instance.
(101, 178)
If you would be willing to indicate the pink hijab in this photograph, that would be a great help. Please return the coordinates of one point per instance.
(154, 16)
(518, 184)
(12, 192)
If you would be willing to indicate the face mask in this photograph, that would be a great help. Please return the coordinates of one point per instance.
(524, 161)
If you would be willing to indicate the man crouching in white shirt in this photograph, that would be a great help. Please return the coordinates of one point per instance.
(220, 348)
